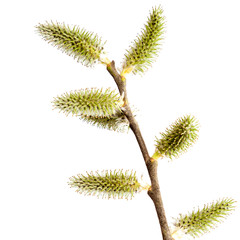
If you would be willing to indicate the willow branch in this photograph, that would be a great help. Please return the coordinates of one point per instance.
(117, 78)
(151, 164)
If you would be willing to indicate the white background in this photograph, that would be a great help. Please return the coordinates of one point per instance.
(197, 73)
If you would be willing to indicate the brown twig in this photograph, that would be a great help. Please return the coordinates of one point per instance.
(151, 164)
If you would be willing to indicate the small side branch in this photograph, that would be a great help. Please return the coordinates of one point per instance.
(151, 164)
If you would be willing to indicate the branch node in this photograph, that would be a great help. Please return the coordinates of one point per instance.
(153, 159)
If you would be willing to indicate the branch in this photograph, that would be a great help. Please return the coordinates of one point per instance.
(116, 76)
(151, 164)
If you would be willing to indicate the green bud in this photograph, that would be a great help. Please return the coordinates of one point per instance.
(145, 48)
(178, 137)
(202, 221)
(108, 184)
(84, 46)
(89, 102)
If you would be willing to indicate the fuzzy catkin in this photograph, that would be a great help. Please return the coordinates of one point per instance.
(201, 221)
(86, 47)
(108, 184)
(89, 102)
(116, 122)
(178, 137)
(145, 48)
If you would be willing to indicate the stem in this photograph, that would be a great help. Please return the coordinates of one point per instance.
(118, 79)
(151, 164)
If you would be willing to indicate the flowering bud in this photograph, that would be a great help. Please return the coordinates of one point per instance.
(178, 137)
(89, 102)
(82, 45)
(109, 184)
(144, 49)
(201, 221)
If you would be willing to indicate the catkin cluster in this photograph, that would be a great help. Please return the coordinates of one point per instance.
(105, 109)
(98, 107)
